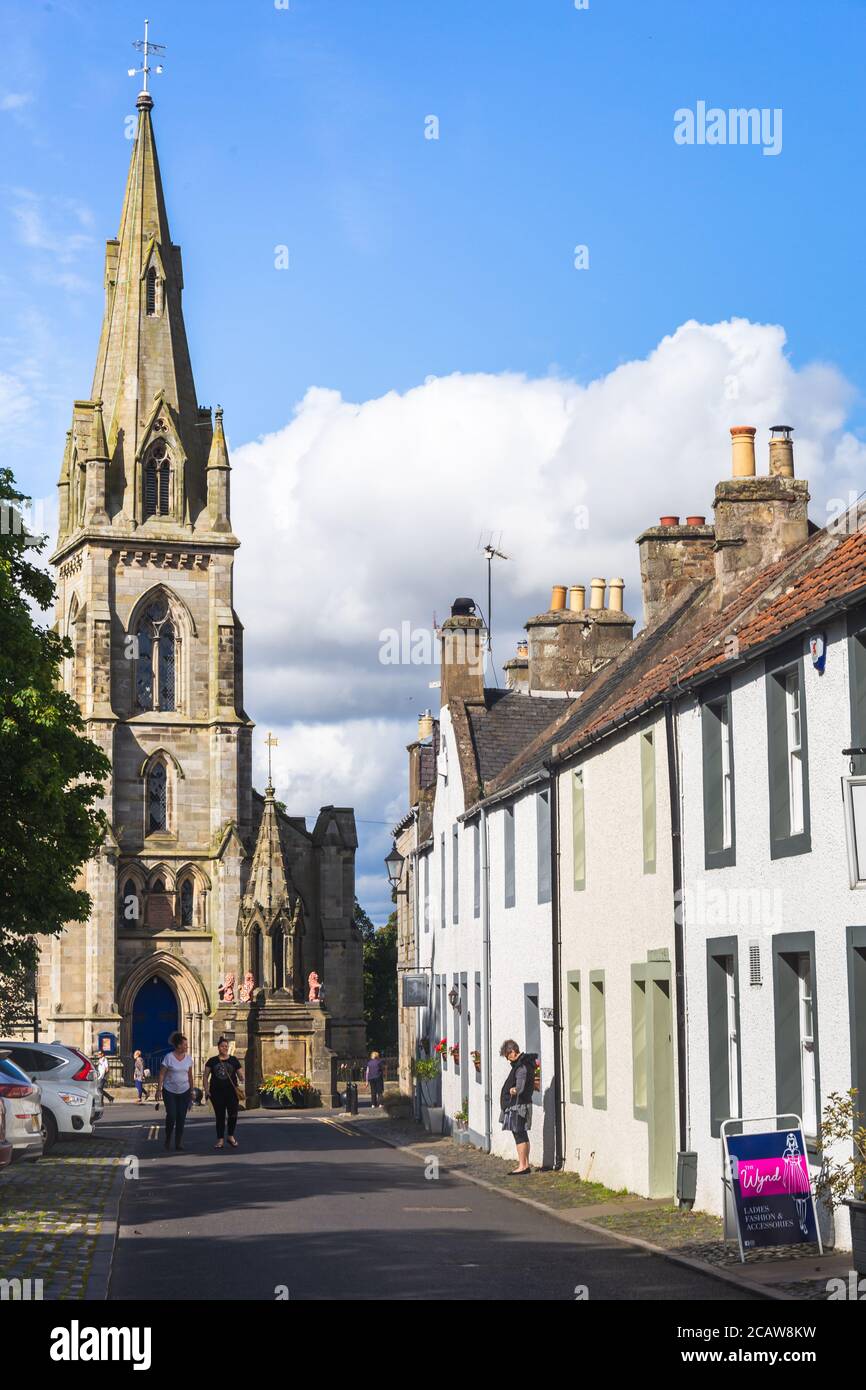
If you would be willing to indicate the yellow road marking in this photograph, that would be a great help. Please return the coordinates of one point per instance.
(326, 1120)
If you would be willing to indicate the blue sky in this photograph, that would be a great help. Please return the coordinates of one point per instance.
(409, 257)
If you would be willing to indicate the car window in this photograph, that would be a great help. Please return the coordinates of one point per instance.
(47, 1061)
(20, 1056)
(13, 1071)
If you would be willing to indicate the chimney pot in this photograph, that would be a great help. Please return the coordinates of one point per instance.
(597, 588)
(522, 649)
(577, 597)
(669, 521)
(781, 451)
(616, 588)
(425, 725)
(743, 451)
(696, 521)
(557, 599)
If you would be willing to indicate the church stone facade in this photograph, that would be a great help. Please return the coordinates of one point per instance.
(199, 878)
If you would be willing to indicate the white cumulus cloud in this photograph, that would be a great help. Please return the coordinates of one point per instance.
(357, 518)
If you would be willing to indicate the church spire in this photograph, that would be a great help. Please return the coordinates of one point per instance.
(143, 370)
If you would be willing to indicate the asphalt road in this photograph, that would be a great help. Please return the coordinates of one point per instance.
(306, 1210)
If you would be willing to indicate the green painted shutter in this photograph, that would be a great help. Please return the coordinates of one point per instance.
(648, 799)
(578, 829)
(575, 1038)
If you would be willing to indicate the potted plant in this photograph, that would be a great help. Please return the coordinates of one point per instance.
(427, 1071)
(440, 1046)
(476, 1060)
(286, 1090)
(536, 1080)
(461, 1123)
(843, 1183)
(455, 1053)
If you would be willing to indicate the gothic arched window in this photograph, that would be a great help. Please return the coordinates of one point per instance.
(157, 481)
(186, 902)
(130, 907)
(156, 667)
(157, 803)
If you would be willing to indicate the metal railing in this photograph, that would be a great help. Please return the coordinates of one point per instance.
(353, 1068)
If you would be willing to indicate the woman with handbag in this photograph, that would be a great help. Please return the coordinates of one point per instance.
(223, 1080)
(516, 1101)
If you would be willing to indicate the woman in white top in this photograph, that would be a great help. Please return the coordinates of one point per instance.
(175, 1088)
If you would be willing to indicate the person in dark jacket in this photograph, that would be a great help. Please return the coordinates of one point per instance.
(375, 1078)
(516, 1101)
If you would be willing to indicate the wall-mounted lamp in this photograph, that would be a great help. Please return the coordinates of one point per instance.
(394, 864)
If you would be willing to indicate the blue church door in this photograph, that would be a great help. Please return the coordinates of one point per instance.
(154, 1017)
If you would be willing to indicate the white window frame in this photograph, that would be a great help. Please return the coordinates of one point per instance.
(806, 1027)
(723, 715)
(734, 1105)
(794, 737)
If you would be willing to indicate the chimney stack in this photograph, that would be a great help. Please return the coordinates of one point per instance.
(672, 558)
(568, 645)
(463, 654)
(758, 519)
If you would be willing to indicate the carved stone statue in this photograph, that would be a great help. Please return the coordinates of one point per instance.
(247, 988)
(315, 987)
(227, 989)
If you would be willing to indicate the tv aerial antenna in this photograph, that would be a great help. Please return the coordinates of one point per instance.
(491, 552)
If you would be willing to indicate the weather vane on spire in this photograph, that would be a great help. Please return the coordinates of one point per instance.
(270, 742)
(147, 49)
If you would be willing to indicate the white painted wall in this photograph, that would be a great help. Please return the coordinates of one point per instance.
(808, 892)
(611, 924)
(521, 950)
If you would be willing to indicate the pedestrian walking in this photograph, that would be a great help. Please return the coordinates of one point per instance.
(516, 1101)
(102, 1080)
(139, 1077)
(175, 1087)
(223, 1078)
(375, 1078)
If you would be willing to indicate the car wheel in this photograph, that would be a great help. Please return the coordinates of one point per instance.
(49, 1131)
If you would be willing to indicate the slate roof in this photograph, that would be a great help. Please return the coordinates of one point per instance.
(502, 727)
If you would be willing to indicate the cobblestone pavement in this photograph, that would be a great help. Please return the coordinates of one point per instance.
(57, 1216)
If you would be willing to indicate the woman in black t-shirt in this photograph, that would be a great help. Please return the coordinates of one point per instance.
(222, 1077)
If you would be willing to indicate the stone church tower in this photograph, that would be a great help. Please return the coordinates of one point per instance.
(144, 558)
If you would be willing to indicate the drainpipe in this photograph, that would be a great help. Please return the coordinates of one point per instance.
(671, 732)
(487, 1060)
(556, 948)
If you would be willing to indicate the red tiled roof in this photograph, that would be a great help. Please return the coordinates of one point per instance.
(754, 618)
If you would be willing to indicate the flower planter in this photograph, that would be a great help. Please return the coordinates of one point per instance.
(429, 1091)
(433, 1117)
(857, 1212)
(269, 1101)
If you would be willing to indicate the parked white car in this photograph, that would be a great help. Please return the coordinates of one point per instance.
(68, 1086)
(22, 1112)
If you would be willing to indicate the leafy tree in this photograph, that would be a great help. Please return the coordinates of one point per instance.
(380, 981)
(51, 775)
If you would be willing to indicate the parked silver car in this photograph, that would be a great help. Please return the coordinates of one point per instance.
(68, 1086)
(22, 1112)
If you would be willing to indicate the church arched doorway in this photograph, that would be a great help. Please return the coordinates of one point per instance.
(154, 1016)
